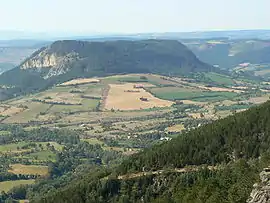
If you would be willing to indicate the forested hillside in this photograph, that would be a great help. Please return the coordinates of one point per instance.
(233, 145)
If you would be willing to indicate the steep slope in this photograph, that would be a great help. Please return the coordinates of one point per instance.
(5, 67)
(238, 145)
(254, 56)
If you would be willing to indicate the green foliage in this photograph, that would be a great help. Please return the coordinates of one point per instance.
(221, 141)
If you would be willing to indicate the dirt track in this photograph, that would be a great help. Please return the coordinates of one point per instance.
(176, 170)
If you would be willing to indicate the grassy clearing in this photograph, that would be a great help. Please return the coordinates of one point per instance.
(176, 128)
(233, 107)
(93, 141)
(8, 185)
(42, 156)
(4, 133)
(12, 147)
(29, 169)
(87, 105)
(34, 109)
(57, 146)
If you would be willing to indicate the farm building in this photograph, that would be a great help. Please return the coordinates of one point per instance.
(138, 86)
(143, 99)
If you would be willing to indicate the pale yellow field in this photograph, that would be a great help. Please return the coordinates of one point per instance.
(193, 102)
(258, 100)
(220, 89)
(176, 128)
(10, 110)
(61, 97)
(29, 169)
(198, 115)
(80, 81)
(120, 99)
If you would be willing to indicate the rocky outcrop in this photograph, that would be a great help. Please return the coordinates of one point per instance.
(261, 191)
(54, 64)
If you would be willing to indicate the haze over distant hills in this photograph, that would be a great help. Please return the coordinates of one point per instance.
(232, 34)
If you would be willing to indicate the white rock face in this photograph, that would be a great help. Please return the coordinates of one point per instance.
(261, 191)
(56, 65)
(42, 60)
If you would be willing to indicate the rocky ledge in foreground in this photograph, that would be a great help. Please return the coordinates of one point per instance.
(261, 191)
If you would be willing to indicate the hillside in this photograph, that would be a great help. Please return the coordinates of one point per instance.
(229, 53)
(233, 145)
(145, 56)
(5, 67)
(64, 60)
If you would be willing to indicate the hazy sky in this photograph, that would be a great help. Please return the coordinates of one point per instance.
(85, 16)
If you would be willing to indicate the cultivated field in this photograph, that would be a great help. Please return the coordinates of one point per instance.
(80, 81)
(28, 169)
(175, 128)
(126, 97)
(6, 110)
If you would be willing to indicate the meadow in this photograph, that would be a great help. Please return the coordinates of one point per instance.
(28, 169)
(8, 185)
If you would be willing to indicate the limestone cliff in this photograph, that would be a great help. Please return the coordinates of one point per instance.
(54, 63)
(261, 191)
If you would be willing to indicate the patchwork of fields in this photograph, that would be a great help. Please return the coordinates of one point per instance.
(122, 113)
(126, 97)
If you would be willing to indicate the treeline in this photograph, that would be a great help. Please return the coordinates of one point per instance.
(17, 134)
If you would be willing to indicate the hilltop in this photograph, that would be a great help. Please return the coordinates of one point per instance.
(64, 60)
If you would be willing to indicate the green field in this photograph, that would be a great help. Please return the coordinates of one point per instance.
(4, 133)
(87, 105)
(14, 146)
(42, 156)
(233, 107)
(93, 141)
(8, 185)
(219, 79)
(11, 147)
(172, 93)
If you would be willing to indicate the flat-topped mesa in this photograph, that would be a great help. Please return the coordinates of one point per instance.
(164, 56)
(261, 191)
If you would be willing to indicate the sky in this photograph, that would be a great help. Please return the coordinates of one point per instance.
(133, 16)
